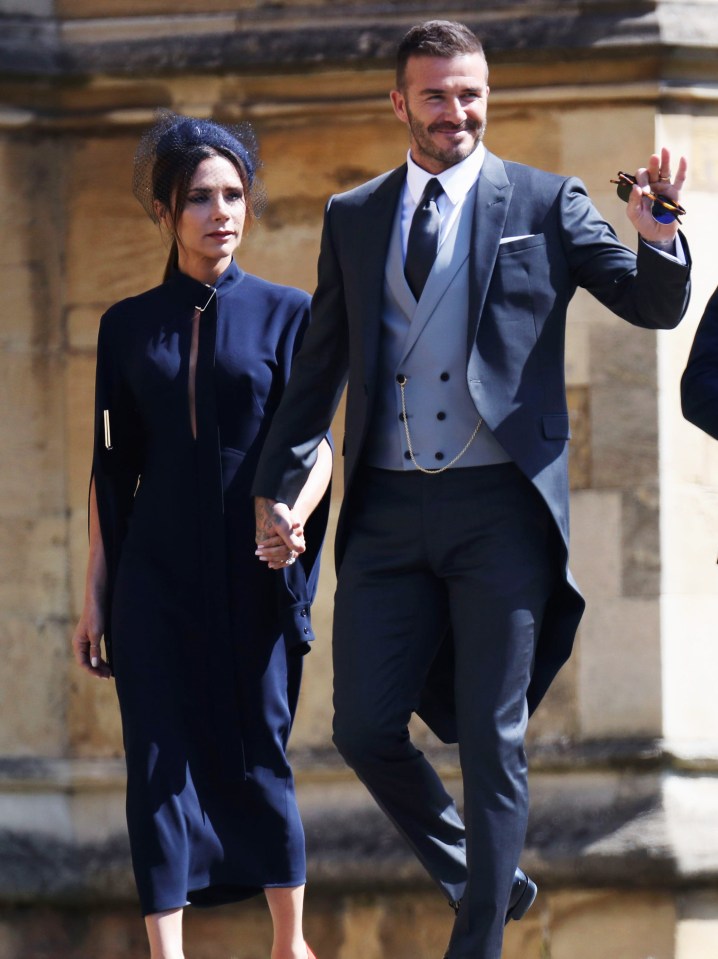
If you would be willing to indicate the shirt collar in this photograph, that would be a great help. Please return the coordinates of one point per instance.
(456, 181)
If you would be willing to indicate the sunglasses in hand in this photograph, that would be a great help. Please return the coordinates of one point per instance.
(663, 209)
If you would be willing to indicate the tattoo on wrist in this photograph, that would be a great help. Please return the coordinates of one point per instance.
(666, 245)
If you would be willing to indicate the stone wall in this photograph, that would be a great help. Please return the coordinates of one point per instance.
(624, 751)
(383, 926)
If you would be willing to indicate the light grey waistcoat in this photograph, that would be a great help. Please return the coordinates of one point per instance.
(426, 342)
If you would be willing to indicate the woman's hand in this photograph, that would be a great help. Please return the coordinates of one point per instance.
(86, 642)
(91, 628)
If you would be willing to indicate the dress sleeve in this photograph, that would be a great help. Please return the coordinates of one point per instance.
(297, 584)
(117, 453)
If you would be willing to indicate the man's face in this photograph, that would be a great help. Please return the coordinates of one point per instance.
(443, 102)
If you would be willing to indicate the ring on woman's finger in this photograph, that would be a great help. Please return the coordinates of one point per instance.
(290, 559)
(664, 179)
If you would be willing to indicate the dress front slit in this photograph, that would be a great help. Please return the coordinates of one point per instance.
(192, 372)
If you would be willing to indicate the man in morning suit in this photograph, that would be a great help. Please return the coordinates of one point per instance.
(442, 296)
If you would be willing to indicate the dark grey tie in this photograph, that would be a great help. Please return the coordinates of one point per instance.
(423, 238)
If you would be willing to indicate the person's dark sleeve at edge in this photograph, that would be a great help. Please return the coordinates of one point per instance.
(699, 384)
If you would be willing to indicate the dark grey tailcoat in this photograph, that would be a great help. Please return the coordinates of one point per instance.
(514, 351)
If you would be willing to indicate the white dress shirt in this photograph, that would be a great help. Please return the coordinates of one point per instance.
(456, 183)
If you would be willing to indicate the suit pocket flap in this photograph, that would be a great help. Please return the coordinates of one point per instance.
(556, 426)
(516, 244)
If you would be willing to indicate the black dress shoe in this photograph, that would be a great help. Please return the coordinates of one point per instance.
(523, 893)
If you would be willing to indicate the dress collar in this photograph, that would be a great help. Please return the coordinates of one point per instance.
(201, 294)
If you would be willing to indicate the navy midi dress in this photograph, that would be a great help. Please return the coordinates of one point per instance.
(205, 642)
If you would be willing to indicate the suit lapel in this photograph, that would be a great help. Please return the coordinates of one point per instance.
(493, 198)
(395, 269)
(374, 235)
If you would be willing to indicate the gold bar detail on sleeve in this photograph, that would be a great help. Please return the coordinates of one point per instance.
(108, 438)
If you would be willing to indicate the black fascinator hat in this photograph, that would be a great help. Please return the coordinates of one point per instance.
(170, 151)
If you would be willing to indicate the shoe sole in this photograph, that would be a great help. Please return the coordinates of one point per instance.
(524, 903)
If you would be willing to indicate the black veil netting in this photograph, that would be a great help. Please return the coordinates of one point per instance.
(174, 137)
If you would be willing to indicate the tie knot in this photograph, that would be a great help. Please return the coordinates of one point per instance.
(432, 192)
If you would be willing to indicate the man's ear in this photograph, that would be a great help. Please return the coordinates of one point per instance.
(398, 101)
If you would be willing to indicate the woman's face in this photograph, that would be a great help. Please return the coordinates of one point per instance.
(209, 228)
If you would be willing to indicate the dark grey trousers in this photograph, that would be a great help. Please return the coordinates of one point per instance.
(473, 548)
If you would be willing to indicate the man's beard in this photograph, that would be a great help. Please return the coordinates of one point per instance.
(423, 137)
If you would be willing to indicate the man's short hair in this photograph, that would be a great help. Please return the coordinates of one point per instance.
(435, 38)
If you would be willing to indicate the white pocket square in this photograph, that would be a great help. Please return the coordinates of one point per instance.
(513, 239)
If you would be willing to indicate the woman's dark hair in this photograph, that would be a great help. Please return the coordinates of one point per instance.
(167, 159)
(435, 38)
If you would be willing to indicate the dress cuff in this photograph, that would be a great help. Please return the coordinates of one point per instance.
(297, 627)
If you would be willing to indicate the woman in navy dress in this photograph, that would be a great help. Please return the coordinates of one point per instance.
(205, 642)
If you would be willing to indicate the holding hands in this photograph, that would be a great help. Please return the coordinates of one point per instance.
(279, 535)
(280, 530)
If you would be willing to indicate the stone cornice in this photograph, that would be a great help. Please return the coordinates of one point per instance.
(605, 821)
(108, 106)
(323, 764)
(320, 35)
